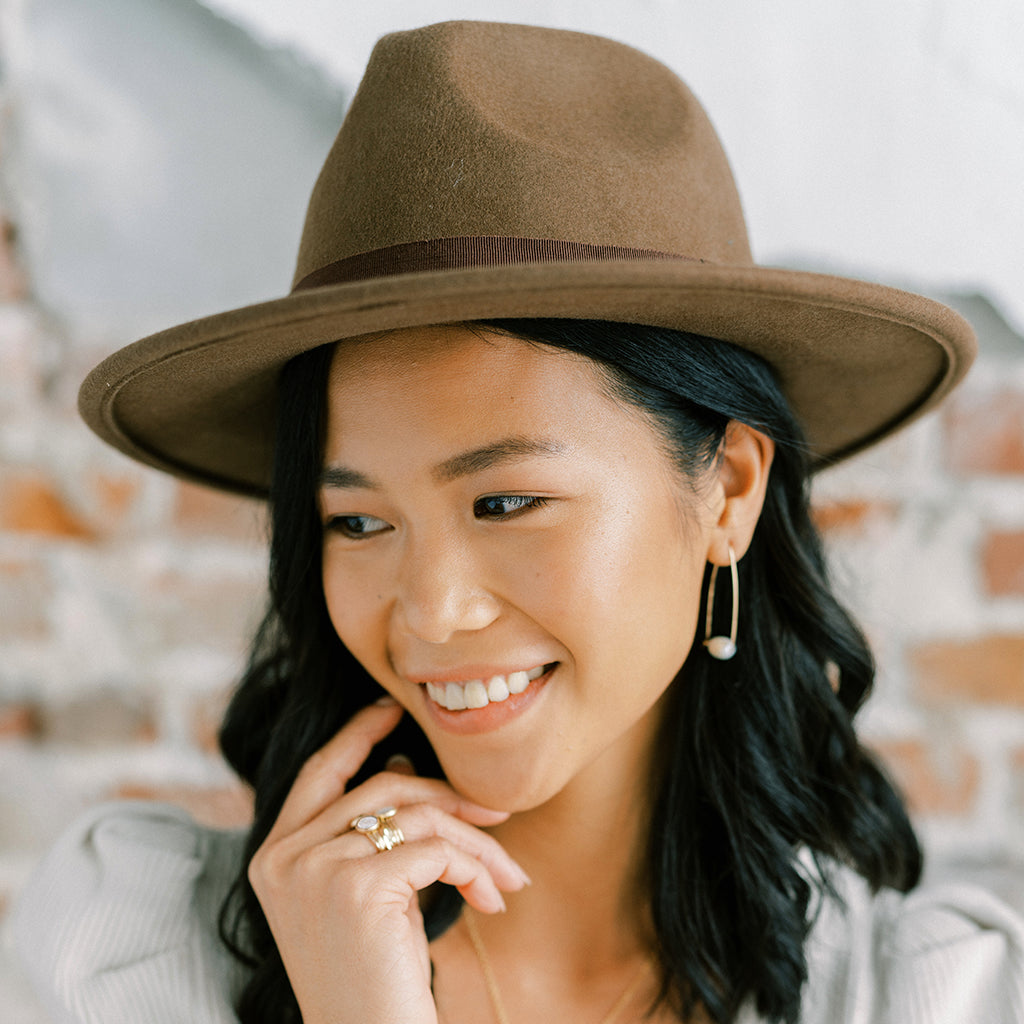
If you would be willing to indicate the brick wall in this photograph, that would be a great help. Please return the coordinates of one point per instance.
(126, 600)
(927, 539)
(125, 603)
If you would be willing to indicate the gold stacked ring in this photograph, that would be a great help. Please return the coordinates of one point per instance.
(380, 828)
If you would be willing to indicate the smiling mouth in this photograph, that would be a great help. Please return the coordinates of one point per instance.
(478, 693)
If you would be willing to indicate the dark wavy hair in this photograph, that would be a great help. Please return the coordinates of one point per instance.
(759, 766)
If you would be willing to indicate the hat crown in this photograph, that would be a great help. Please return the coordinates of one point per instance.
(469, 129)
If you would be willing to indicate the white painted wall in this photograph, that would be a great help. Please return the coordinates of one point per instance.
(156, 159)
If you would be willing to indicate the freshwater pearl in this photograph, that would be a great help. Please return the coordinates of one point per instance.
(720, 647)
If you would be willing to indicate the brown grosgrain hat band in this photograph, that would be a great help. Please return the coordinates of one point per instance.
(453, 253)
(492, 171)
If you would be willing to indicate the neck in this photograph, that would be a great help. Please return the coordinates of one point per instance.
(585, 850)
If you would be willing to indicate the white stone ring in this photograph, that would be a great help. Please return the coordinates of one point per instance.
(380, 828)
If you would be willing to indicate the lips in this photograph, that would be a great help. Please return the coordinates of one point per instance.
(479, 693)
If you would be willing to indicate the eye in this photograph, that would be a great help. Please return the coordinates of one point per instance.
(356, 527)
(503, 506)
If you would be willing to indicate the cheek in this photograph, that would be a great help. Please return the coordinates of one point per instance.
(352, 605)
(629, 590)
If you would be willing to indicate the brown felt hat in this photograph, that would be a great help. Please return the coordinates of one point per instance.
(489, 170)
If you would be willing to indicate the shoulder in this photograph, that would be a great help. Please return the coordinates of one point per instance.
(119, 921)
(949, 954)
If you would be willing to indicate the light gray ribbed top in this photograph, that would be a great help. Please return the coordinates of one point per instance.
(119, 926)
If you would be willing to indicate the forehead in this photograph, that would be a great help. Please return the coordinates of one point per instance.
(429, 355)
(456, 368)
(437, 390)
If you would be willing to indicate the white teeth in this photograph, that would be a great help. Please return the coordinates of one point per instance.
(454, 697)
(497, 689)
(518, 681)
(478, 694)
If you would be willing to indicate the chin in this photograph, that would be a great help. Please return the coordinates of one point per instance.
(500, 789)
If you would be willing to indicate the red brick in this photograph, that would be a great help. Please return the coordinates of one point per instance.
(219, 807)
(849, 516)
(1002, 558)
(18, 721)
(933, 782)
(98, 719)
(204, 511)
(30, 503)
(989, 670)
(985, 433)
(115, 496)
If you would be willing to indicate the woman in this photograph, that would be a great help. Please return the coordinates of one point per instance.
(532, 424)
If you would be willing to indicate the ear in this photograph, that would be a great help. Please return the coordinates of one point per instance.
(738, 486)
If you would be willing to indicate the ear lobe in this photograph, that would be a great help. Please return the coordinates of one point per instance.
(742, 481)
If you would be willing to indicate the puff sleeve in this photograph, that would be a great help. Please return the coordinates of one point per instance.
(952, 954)
(119, 921)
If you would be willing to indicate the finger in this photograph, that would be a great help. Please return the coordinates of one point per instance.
(400, 764)
(385, 789)
(390, 789)
(436, 859)
(322, 779)
(426, 821)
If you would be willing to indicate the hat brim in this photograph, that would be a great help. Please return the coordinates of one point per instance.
(857, 360)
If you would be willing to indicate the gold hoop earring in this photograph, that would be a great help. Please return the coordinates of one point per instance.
(723, 647)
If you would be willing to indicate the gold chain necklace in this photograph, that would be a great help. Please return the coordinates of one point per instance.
(492, 983)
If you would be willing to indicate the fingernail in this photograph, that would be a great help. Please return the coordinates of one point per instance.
(386, 701)
(399, 762)
(526, 878)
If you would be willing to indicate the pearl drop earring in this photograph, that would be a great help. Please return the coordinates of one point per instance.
(723, 647)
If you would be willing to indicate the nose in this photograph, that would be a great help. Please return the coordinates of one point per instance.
(441, 591)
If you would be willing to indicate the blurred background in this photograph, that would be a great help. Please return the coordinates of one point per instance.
(155, 161)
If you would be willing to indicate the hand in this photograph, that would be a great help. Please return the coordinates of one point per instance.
(346, 918)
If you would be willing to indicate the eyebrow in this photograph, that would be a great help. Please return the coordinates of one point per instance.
(508, 449)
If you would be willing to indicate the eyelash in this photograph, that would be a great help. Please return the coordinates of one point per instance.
(342, 525)
(521, 503)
